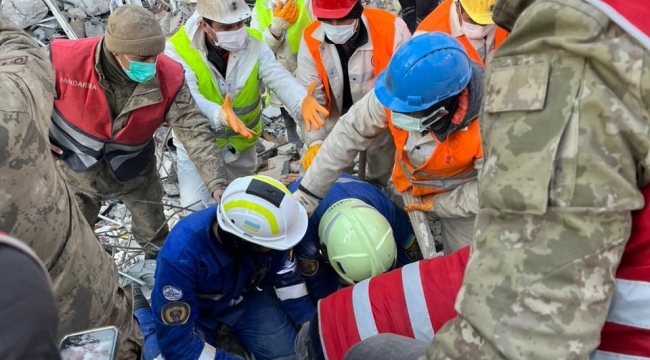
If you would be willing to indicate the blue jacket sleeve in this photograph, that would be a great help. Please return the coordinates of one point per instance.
(291, 288)
(175, 309)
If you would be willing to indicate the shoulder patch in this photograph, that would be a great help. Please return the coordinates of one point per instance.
(172, 293)
(175, 313)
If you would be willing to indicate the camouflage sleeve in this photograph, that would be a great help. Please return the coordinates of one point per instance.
(565, 127)
(23, 62)
(192, 128)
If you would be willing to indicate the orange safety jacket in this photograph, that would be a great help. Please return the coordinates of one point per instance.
(439, 20)
(450, 165)
(82, 123)
(381, 27)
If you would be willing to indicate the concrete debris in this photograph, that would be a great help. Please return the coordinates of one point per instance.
(24, 13)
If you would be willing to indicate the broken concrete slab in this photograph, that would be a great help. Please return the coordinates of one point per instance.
(23, 13)
(91, 7)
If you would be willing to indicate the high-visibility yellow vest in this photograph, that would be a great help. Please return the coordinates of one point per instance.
(247, 105)
(294, 33)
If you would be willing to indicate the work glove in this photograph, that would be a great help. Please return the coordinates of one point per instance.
(425, 205)
(312, 111)
(284, 16)
(309, 202)
(228, 118)
(309, 155)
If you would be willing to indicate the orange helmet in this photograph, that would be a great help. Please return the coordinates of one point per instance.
(332, 9)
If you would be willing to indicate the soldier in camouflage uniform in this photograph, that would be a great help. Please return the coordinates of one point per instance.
(36, 206)
(566, 138)
(127, 89)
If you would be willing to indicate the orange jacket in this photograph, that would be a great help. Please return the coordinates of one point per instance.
(381, 27)
(439, 20)
(450, 165)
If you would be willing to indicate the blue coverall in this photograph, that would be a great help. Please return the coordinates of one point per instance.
(199, 285)
(321, 278)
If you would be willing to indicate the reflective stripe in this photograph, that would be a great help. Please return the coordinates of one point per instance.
(416, 303)
(209, 352)
(631, 304)
(224, 133)
(75, 134)
(245, 110)
(249, 205)
(363, 310)
(291, 292)
(604, 355)
(438, 182)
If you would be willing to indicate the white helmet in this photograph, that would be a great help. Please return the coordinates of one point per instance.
(223, 11)
(260, 210)
(358, 240)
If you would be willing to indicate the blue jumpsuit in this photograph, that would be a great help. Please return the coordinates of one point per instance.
(321, 279)
(199, 285)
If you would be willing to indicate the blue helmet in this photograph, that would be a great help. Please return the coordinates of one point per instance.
(427, 69)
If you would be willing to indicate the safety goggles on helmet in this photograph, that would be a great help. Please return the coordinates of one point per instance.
(260, 210)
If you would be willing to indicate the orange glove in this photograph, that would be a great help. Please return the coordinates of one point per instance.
(312, 111)
(287, 12)
(309, 156)
(231, 120)
(425, 205)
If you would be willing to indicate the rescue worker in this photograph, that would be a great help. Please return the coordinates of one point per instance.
(415, 302)
(565, 158)
(356, 232)
(282, 23)
(414, 11)
(470, 22)
(343, 52)
(226, 64)
(37, 207)
(428, 98)
(231, 265)
(112, 94)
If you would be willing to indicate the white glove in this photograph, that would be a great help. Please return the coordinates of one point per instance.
(278, 26)
(309, 202)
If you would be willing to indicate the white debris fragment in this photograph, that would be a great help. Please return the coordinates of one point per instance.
(24, 13)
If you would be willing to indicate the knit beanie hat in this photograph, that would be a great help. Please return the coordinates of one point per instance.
(134, 30)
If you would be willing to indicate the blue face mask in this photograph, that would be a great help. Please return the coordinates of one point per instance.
(410, 123)
(140, 72)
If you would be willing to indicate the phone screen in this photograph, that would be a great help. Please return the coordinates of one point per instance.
(97, 344)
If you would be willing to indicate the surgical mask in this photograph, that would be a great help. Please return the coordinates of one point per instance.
(410, 123)
(474, 31)
(231, 40)
(339, 34)
(140, 72)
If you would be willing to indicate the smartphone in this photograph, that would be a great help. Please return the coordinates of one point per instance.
(95, 344)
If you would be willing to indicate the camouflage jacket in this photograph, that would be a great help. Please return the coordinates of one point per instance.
(565, 127)
(35, 205)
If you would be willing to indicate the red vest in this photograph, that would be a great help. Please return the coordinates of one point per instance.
(404, 302)
(82, 123)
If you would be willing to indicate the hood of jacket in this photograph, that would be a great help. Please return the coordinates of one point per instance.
(506, 12)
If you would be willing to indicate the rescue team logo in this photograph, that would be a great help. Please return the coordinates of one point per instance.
(308, 267)
(171, 293)
(175, 313)
(251, 226)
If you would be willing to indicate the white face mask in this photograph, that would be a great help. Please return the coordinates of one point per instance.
(339, 34)
(410, 123)
(474, 31)
(231, 40)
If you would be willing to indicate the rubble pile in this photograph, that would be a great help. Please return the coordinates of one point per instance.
(46, 20)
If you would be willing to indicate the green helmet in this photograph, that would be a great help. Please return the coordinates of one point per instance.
(358, 240)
